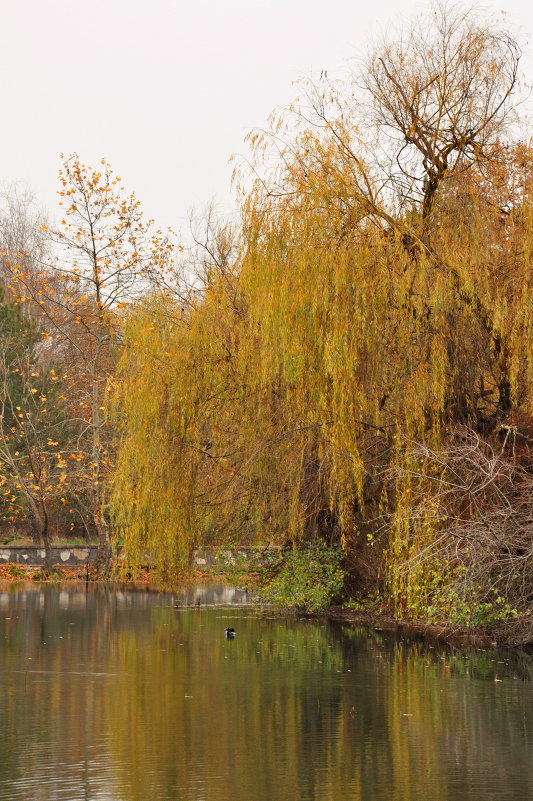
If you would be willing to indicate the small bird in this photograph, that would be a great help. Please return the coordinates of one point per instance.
(230, 633)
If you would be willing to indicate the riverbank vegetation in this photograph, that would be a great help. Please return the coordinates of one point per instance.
(349, 364)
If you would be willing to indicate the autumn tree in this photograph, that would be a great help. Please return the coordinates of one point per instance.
(442, 97)
(379, 296)
(106, 256)
(180, 349)
(386, 149)
(36, 437)
(22, 238)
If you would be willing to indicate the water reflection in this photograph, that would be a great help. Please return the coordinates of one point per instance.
(123, 696)
(211, 595)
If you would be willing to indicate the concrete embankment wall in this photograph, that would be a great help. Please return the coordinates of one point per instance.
(219, 558)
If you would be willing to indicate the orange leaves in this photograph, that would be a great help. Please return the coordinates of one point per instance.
(107, 255)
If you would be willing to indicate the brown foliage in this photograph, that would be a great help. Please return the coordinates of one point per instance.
(482, 507)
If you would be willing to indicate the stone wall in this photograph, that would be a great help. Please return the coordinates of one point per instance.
(71, 555)
(214, 558)
(227, 558)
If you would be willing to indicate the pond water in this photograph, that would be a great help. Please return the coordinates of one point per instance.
(132, 696)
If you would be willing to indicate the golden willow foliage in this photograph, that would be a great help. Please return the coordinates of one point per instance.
(356, 318)
(154, 467)
(269, 409)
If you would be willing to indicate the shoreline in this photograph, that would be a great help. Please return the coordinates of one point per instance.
(499, 636)
(458, 636)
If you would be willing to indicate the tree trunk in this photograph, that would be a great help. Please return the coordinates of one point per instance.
(103, 556)
(40, 517)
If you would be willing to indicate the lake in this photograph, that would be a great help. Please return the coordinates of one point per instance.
(110, 695)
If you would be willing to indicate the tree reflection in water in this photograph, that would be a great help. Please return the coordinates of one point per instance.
(121, 695)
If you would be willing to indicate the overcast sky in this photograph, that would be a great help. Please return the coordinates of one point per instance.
(167, 89)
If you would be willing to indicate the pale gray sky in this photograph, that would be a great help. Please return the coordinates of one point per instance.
(167, 89)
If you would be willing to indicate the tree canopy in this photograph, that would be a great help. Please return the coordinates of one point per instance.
(351, 363)
(377, 297)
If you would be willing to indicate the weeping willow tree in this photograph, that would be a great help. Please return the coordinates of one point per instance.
(379, 295)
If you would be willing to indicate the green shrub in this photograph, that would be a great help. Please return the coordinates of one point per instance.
(15, 571)
(308, 578)
(485, 613)
(47, 574)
